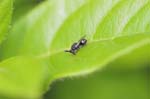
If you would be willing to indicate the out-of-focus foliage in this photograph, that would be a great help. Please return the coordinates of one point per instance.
(5, 17)
(22, 7)
(33, 56)
(104, 85)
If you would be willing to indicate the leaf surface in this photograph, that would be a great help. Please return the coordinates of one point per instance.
(22, 77)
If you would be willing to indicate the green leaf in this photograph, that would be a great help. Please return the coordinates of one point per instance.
(22, 7)
(22, 77)
(45, 20)
(99, 54)
(113, 28)
(137, 59)
(5, 17)
(107, 84)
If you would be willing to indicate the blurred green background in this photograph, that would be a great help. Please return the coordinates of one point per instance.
(107, 84)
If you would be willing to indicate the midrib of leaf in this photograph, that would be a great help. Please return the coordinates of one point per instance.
(140, 41)
(92, 41)
(68, 71)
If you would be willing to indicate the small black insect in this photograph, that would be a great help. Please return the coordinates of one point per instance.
(77, 45)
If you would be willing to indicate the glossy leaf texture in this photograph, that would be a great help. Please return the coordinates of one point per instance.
(5, 17)
(113, 28)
